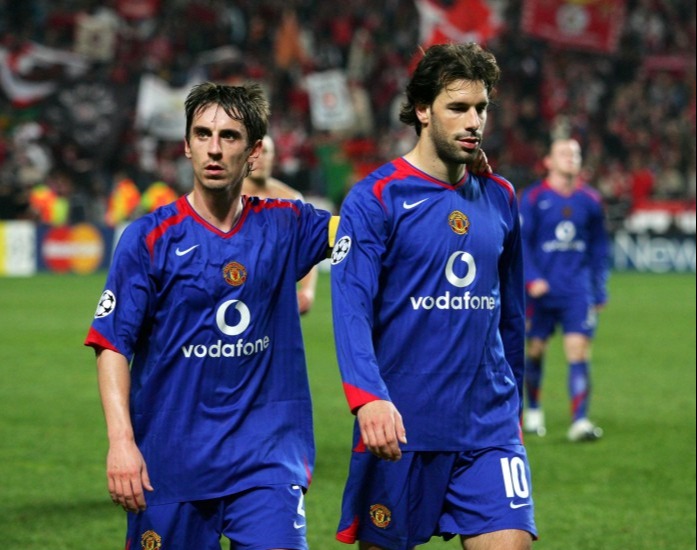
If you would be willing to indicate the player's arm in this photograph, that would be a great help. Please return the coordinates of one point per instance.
(356, 264)
(598, 248)
(307, 287)
(512, 323)
(535, 282)
(306, 290)
(127, 474)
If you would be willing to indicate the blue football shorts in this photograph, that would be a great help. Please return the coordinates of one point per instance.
(256, 519)
(575, 315)
(399, 505)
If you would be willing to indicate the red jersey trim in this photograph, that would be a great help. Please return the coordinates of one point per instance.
(95, 340)
(357, 397)
(348, 535)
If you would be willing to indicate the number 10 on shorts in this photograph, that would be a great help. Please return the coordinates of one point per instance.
(514, 477)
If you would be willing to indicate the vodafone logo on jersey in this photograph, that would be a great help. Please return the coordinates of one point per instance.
(232, 318)
(460, 271)
(77, 249)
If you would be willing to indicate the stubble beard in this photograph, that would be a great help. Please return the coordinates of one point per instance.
(448, 149)
(451, 153)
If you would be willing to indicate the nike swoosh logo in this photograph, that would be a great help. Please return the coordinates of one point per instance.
(408, 206)
(298, 525)
(184, 252)
(516, 505)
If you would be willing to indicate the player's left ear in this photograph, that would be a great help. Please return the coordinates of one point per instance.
(255, 151)
(423, 113)
(547, 162)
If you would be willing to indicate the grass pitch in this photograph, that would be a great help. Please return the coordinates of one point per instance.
(634, 489)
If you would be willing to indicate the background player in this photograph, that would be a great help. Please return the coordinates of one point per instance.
(566, 271)
(428, 306)
(213, 419)
(262, 184)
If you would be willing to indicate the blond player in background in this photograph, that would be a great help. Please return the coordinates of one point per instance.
(261, 183)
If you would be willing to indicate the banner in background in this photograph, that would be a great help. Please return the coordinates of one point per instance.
(456, 21)
(90, 115)
(17, 248)
(30, 72)
(581, 24)
(331, 107)
(26, 249)
(96, 36)
(160, 108)
(73, 249)
(653, 253)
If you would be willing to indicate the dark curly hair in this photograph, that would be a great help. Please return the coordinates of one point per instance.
(441, 65)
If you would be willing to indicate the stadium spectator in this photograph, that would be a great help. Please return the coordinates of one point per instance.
(157, 194)
(123, 202)
(47, 206)
(670, 181)
(566, 269)
(639, 93)
(200, 361)
(261, 183)
(428, 308)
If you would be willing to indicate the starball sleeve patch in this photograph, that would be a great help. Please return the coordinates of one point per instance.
(341, 249)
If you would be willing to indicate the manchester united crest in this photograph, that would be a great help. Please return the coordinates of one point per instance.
(459, 223)
(380, 516)
(235, 274)
(150, 540)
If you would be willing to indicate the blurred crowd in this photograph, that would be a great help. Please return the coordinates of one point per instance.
(76, 154)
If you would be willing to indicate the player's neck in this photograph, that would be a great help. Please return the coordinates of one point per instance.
(221, 207)
(561, 183)
(425, 159)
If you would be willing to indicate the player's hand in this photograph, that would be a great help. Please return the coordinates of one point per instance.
(537, 288)
(306, 298)
(382, 429)
(480, 165)
(127, 476)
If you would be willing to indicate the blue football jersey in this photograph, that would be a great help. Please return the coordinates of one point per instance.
(565, 242)
(428, 304)
(220, 399)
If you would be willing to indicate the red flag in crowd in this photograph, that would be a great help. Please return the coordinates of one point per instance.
(138, 9)
(30, 72)
(455, 21)
(582, 24)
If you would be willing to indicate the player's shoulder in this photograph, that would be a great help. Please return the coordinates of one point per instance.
(282, 190)
(500, 181)
(271, 205)
(390, 180)
(381, 175)
(282, 211)
(590, 193)
(370, 190)
(272, 189)
(534, 191)
(161, 217)
(497, 184)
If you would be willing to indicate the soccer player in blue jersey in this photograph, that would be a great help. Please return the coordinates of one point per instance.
(200, 358)
(428, 307)
(566, 272)
(261, 183)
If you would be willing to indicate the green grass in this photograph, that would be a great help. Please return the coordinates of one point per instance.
(635, 489)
